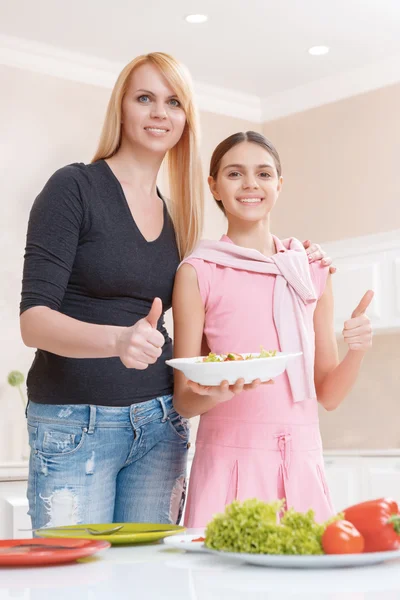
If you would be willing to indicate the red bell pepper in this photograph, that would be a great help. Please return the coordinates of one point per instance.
(379, 523)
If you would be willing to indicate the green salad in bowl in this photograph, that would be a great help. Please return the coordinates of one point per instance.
(212, 357)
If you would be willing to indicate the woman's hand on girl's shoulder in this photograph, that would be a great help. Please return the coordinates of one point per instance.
(315, 253)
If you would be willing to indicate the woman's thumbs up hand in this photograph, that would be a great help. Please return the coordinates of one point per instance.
(140, 345)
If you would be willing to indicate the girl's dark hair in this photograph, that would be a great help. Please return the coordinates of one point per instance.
(234, 140)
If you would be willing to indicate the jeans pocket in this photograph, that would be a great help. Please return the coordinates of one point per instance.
(56, 440)
(179, 425)
(32, 436)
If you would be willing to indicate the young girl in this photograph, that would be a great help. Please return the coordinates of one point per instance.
(248, 290)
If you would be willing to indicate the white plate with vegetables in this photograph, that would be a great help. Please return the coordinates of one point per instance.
(215, 368)
(250, 532)
(324, 561)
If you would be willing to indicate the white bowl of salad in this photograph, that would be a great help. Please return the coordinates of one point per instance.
(213, 369)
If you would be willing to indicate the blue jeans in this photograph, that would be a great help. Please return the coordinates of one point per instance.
(100, 464)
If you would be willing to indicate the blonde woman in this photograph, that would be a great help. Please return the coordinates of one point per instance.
(101, 255)
(100, 261)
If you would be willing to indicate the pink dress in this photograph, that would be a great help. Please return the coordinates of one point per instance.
(260, 444)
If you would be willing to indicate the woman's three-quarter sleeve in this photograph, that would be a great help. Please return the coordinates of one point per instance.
(54, 227)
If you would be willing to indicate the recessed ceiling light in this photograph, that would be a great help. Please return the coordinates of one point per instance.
(318, 50)
(196, 18)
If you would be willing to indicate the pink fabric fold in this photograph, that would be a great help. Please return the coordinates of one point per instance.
(293, 292)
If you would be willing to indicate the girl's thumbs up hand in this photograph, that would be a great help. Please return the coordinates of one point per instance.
(357, 331)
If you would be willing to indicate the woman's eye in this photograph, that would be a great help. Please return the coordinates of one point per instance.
(144, 99)
(175, 103)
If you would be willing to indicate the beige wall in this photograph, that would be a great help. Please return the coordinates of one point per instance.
(46, 123)
(369, 416)
(342, 179)
(341, 168)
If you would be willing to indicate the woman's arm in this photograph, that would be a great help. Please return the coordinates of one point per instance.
(50, 330)
(192, 399)
(57, 219)
(136, 346)
(334, 379)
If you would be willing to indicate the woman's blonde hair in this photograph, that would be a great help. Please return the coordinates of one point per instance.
(184, 165)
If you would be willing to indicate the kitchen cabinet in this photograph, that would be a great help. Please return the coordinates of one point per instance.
(354, 478)
(381, 478)
(342, 474)
(13, 510)
(368, 262)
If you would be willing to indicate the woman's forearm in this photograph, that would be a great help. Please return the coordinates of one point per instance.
(335, 386)
(47, 329)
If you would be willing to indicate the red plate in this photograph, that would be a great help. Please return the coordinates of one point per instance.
(42, 551)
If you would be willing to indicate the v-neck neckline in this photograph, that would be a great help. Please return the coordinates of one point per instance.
(127, 207)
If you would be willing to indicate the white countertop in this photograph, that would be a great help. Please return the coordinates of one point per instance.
(160, 573)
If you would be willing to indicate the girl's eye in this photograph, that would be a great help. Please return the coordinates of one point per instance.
(234, 174)
(144, 99)
(265, 175)
(175, 103)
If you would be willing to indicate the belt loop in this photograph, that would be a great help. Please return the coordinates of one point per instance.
(92, 419)
(284, 445)
(164, 409)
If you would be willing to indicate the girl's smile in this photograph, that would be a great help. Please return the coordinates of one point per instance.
(250, 200)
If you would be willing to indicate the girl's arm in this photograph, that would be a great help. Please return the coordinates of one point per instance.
(334, 379)
(192, 399)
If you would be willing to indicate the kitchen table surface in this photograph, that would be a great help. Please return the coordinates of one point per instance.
(155, 571)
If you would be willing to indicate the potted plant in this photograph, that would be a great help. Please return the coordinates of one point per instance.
(16, 379)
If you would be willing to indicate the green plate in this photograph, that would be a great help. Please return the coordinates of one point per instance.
(131, 533)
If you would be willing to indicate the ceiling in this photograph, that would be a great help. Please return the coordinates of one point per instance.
(256, 47)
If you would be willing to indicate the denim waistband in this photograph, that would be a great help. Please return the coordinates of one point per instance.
(92, 416)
